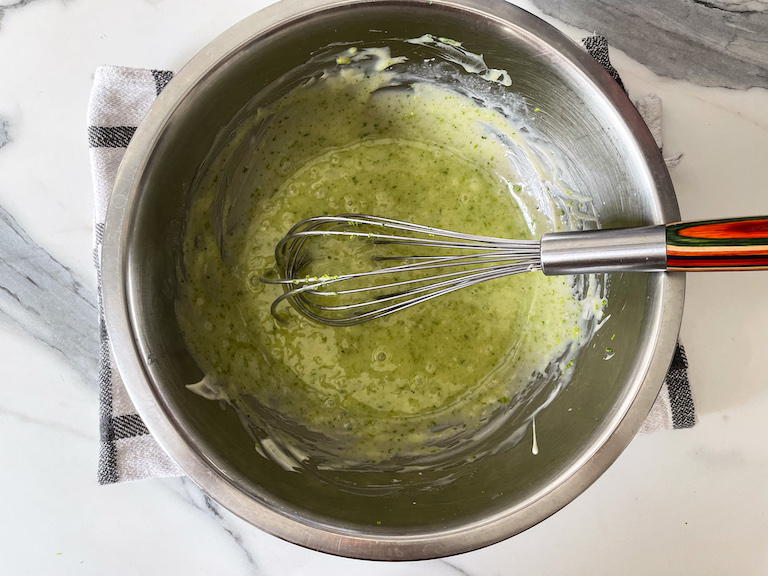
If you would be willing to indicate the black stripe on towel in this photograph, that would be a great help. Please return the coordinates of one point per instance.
(597, 46)
(680, 399)
(128, 426)
(162, 77)
(110, 136)
(108, 453)
(99, 230)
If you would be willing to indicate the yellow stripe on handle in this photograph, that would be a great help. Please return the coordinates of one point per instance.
(728, 244)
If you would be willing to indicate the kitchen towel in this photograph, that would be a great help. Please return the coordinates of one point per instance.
(119, 100)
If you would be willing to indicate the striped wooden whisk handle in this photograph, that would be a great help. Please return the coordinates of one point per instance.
(726, 244)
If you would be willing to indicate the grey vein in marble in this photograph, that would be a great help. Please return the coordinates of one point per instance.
(191, 494)
(5, 132)
(741, 6)
(454, 568)
(46, 423)
(10, 6)
(45, 300)
(707, 42)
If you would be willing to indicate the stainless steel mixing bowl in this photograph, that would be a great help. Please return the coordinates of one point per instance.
(581, 433)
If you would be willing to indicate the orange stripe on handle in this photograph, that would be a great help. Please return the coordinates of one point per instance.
(733, 230)
(727, 244)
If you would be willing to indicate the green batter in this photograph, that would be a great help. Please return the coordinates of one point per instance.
(411, 384)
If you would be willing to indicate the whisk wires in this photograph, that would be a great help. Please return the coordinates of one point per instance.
(375, 266)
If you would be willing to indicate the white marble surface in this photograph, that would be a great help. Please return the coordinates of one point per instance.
(679, 502)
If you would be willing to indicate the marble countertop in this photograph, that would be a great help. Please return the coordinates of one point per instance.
(678, 502)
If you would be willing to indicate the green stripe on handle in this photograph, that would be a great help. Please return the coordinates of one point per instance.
(727, 244)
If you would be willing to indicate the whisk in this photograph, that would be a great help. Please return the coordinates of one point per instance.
(436, 262)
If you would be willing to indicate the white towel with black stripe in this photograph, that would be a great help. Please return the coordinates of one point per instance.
(120, 98)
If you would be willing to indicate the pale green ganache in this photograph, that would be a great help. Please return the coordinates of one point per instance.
(409, 385)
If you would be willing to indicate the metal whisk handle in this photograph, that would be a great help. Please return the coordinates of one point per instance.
(703, 245)
(595, 251)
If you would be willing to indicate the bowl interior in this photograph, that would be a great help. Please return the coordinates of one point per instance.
(605, 161)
